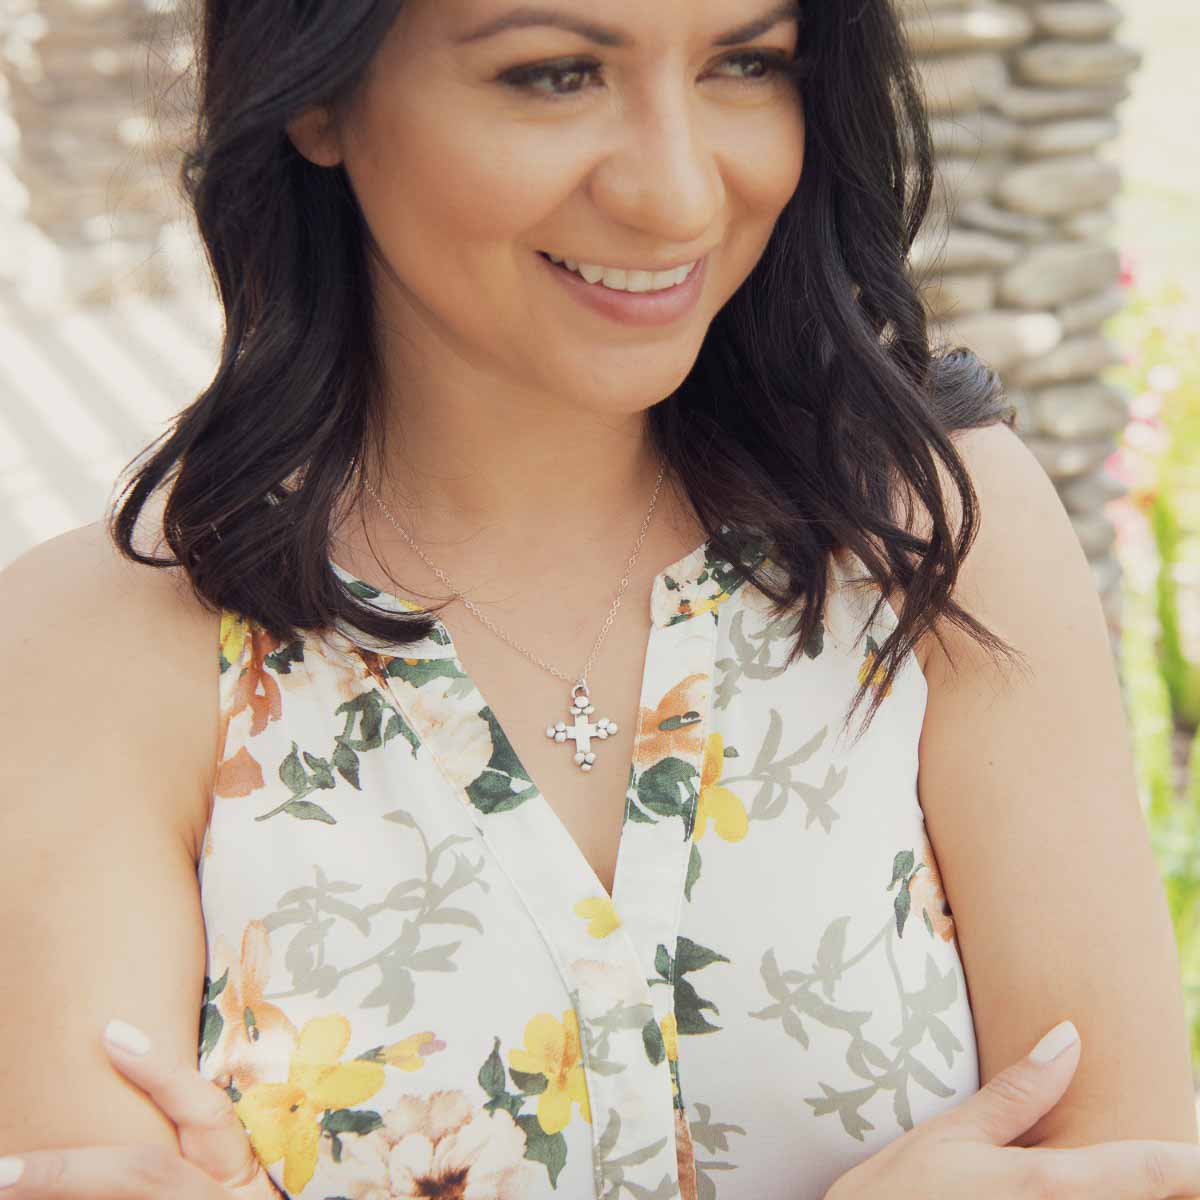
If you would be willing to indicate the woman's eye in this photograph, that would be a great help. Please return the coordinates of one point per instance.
(569, 78)
(764, 64)
(570, 73)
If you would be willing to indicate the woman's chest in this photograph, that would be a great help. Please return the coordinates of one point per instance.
(415, 972)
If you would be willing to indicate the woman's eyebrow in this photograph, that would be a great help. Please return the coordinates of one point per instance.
(527, 17)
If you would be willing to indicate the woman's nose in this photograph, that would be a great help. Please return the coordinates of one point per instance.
(663, 177)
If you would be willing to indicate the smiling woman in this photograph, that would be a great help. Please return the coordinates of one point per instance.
(474, 771)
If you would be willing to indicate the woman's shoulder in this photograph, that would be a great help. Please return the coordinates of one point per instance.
(116, 652)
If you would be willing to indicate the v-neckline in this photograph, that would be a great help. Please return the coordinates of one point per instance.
(679, 577)
(609, 949)
(431, 685)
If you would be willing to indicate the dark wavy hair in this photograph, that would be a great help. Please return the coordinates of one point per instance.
(815, 401)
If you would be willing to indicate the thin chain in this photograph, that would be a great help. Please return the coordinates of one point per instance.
(486, 620)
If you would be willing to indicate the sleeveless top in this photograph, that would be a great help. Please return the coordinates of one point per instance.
(416, 985)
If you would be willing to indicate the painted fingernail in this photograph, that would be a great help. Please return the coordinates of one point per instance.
(10, 1171)
(1060, 1038)
(125, 1037)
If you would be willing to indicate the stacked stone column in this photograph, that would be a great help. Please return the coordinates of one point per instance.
(84, 78)
(1022, 98)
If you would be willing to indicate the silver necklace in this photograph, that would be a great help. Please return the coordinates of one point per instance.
(581, 730)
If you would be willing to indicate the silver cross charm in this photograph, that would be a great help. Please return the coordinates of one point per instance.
(583, 730)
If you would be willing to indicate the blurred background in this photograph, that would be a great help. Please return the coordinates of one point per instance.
(1064, 247)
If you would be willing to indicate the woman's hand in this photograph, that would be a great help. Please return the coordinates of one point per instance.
(214, 1162)
(965, 1152)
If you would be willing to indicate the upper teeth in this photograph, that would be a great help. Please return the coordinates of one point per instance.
(626, 281)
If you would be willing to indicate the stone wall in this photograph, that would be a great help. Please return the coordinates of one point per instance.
(1022, 98)
(83, 82)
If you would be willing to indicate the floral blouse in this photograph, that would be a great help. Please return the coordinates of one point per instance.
(417, 986)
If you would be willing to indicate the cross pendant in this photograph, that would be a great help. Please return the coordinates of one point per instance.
(583, 730)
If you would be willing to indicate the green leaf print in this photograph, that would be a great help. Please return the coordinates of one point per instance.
(679, 721)
(364, 591)
(345, 762)
(689, 1005)
(280, 661)
(691, 956)
(902, 866)
(291, 772)
(366, 711)
(669, 789)
(652, 1038)
(322, 773)
(211, 1021)
(662, 962)
(903, 872)
(305, 810)
(491, 1074)
(347, 1120)
(419, 671)
(531, 1085)
(503, 785)
(693, 871)
(549, 1149)
(491, 1079)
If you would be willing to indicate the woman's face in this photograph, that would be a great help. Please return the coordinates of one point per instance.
(632, 135)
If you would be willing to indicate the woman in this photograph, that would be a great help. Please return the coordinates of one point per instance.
(575, 472)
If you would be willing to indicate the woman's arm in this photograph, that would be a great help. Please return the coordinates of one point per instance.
(108, 725)
(1028, 788)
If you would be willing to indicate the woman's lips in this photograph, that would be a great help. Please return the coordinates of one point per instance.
(633, 308)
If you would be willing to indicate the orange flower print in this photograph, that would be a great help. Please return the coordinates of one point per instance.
(283, 1119)
(925, 891)
(655, 743)
(256, 1034)
(239, 775)
(718, 804)
(685, 1157)
(257, 690)
(552, 1049)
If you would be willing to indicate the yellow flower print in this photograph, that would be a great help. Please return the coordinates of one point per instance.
(552, 1049)
(871, 674)
(670, 1032)
(283, 1118)
(717, 803)
(600, 914)
(708, 605)
(233, 635)
(410, 1054)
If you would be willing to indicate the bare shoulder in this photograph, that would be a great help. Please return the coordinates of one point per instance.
(135, 648)
(1027, 784)
(1014, 500)
(109, 707)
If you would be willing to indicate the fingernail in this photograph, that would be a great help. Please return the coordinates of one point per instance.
(125, 1037)
(1062, 1037)
(10, 1171)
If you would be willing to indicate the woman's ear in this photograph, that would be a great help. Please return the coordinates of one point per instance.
(314, 135)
